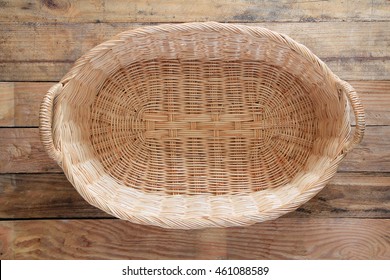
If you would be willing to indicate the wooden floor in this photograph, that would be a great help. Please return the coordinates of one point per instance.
(42, 216)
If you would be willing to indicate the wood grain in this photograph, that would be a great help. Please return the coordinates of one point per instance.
(349, 68)
(279, 239)
(45, 52)
(36, 71)
(67, 42)
(22, 152)
(25, 196)
(20, 103)
(372, 154)
(7, 105)
(25, 98)
(203, 10)
(355, 195)
(312, 239)
(28, 98)
(38, 196)
(99, 239)
(375, 97)
(212, 244)
(6, 241)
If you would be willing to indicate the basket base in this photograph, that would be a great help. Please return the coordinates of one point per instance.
(202, 127)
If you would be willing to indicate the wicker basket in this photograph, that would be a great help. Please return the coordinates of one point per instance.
(199, 125)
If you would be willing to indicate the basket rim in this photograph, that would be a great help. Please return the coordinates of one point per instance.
(256, 31)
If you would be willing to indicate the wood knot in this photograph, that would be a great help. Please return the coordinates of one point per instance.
(57, 5)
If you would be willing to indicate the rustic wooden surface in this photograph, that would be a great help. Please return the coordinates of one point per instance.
(39, 42)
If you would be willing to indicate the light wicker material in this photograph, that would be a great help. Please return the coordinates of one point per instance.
(199, 125)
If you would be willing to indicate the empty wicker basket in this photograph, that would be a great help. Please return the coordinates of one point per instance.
(199, 125)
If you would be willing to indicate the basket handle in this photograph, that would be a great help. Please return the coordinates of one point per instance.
(358, 111)
(45, 122)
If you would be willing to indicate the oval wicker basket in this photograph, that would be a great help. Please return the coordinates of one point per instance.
(199, 125)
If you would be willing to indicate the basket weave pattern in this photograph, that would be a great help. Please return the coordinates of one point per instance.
(194, 127)
(199, 125)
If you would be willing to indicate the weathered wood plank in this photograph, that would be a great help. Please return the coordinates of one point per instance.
(375, 97)
(280, 239)
(311, 239)
(35, 71)
(24, 99)
(28, 98)
(25, 196)
(23, 109)
(20, 103)
(214, 237)
(7, 106)
(372, 154)
(42, 196)
(6, 241)
(355, 195)
(45, 52)
(349, 69)
(203, 10)
(22, 152)
(67, 42)
(99, 239)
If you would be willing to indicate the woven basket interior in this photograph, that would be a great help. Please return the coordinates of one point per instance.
(202, 113)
